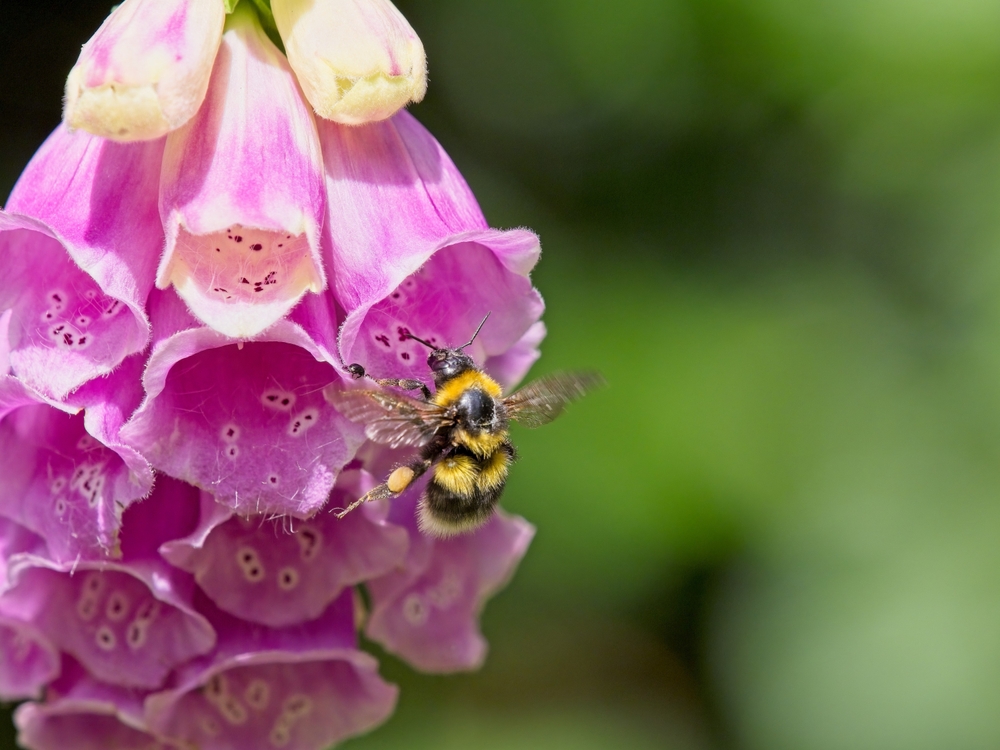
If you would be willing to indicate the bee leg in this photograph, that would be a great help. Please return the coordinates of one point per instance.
(401, 478)
(405, 384)
(357, 371)
(376, 493)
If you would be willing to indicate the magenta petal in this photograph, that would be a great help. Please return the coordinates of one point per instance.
(67, 476)
(427, 613)
(247, 423)
(27, 659)
(301, 688)
(80, 243)
(128, 623)
(83, 714)
(279, 573)
(242, 191)
(80, 725)
(430, 265)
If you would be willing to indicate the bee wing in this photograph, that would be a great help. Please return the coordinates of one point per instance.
(389, 418)
(544, 399)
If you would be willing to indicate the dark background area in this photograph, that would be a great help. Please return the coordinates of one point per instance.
(774, 225)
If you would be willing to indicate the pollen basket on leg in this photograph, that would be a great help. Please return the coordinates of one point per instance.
(241, 280)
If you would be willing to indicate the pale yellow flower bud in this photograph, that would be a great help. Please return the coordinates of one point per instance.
(146, 70)
(357, 60)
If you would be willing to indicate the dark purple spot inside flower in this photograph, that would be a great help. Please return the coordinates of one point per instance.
(405, 355)
(218, 250)
(286, 401)
(384, 339)
(238, 238)
(404, 333)
(244, 280)
(256, 247)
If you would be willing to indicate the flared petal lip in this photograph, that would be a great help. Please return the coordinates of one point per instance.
(156, 580)
(191, 341)
(524, 251)
(25, 713)
(41, 640)
(13, 221)
(193, 676)
(376, 628)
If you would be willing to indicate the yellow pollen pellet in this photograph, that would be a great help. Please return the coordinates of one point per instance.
(400, 479)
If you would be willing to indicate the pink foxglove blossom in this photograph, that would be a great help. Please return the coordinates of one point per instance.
(171, 571)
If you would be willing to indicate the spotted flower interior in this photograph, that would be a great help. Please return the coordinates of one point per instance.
(190, 262)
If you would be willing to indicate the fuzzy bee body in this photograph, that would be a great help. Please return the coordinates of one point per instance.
(461, 430)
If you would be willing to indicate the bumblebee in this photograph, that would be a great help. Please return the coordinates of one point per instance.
(461, 429)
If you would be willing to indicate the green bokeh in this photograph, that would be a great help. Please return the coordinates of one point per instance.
(773, 225)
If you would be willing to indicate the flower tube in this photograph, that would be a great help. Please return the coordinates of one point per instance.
(431, 266)
(241, 192)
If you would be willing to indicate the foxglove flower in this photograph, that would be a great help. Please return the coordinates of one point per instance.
(241, 191)
(145, 71)
(79, 245)
(177, 312)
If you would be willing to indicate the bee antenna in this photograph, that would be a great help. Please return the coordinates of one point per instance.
(476, 333)
(425, 343)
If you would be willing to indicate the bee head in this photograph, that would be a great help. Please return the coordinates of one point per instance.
(447, 363)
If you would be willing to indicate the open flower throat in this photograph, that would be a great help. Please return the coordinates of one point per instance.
(190, 260)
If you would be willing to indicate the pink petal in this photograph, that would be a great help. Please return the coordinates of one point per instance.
(427, 613)
(80, 244)
(28, 661)
(129, 622)
(146, 69)
(247, 423)
(429, 266)
(301, 688)
(278, 573)
(242, 192)
(67, 477)
(81, 713)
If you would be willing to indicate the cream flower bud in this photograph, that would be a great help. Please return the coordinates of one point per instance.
(357, 60)
(146, 70)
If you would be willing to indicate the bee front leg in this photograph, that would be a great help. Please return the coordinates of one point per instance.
(357, 371)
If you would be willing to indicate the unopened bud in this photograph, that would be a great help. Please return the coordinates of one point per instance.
(146, 70)
(357, 61)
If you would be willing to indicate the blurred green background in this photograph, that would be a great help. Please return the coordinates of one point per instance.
(774, 225)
